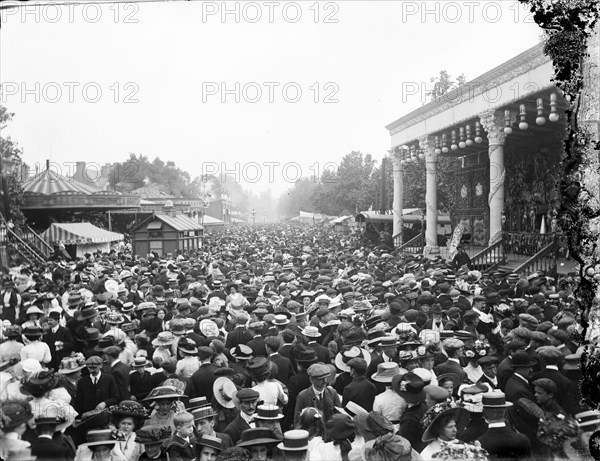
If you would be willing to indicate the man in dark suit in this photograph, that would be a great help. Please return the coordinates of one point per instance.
(248, 399)
(204, 378)
(360, 391)
(489, 366)
(118, 370)
(564, 396)
(284, 366)
(11, 303)
(257, 343)
(518, 385)
(501, 442)
(97, 390)
(45, 448)
(318, 395)
(455, 349)
(311, 334)
(240, 334)
(58, 338)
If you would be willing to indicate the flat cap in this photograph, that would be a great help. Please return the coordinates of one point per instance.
(246, 394)
(436, 393)
(529, 319)
(487, 360)
(113, 351)
(318, 370)
(550, 353)
(94, 360)
(358, 364)
(539, 336)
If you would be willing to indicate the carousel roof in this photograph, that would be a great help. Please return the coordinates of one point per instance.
(49, 183)
(50, 190)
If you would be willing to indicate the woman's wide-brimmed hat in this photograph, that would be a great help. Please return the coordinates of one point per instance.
(439, 411)
(164, 392)
(153, 434)
(386, 372)
(164, 338)
(129, 408)
(98, 437)
(258, 367)
(92, 419)
(242, 352)
(70, 365)
(39, 382)
(33, 331)
(410, 387)
(342, 358)
(14, 413)
(224, 391)
(257, 436)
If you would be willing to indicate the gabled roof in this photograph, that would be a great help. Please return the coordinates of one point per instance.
(180, 222)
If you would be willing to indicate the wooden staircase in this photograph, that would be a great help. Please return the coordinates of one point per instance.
(489, 258)
(414, 246)
(28, 244)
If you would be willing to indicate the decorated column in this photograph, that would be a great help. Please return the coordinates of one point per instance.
(493, 123)
(431, 159)
(398, 173)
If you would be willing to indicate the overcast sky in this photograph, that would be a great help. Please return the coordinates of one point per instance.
(313, 81)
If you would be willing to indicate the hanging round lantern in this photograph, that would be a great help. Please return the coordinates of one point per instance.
(540, 119)
(507, 127)
(523, 125)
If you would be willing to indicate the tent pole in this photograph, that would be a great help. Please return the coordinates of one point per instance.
(109, 222)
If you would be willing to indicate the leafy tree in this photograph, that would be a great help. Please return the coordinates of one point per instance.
(12, 189)
(444, 83)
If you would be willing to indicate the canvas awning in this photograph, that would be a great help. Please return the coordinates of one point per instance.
(78, 233)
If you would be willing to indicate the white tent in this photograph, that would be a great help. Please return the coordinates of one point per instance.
(86, 237)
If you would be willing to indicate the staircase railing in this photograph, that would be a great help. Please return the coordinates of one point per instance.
(34, 240)
(415, 245)
(489, 257)
(544, 260)
(397, 239)
(23, 247)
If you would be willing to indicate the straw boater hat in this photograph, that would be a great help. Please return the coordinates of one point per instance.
(210, 441)
(268, 413)
(296, 440)
(203, 413)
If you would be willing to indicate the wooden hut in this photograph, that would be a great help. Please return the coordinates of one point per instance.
(163, 233)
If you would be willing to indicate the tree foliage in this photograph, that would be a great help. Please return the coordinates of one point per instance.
(12, 189)
(444, 83)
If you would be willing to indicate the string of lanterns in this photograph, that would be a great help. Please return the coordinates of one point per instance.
(464, 137)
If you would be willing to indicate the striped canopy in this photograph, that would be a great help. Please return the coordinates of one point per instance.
(78, 233)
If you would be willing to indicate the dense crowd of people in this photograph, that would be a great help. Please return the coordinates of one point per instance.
(293, 343)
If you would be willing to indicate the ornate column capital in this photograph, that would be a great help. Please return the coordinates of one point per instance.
(427, 143)
(395, 155)
(492, 122)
